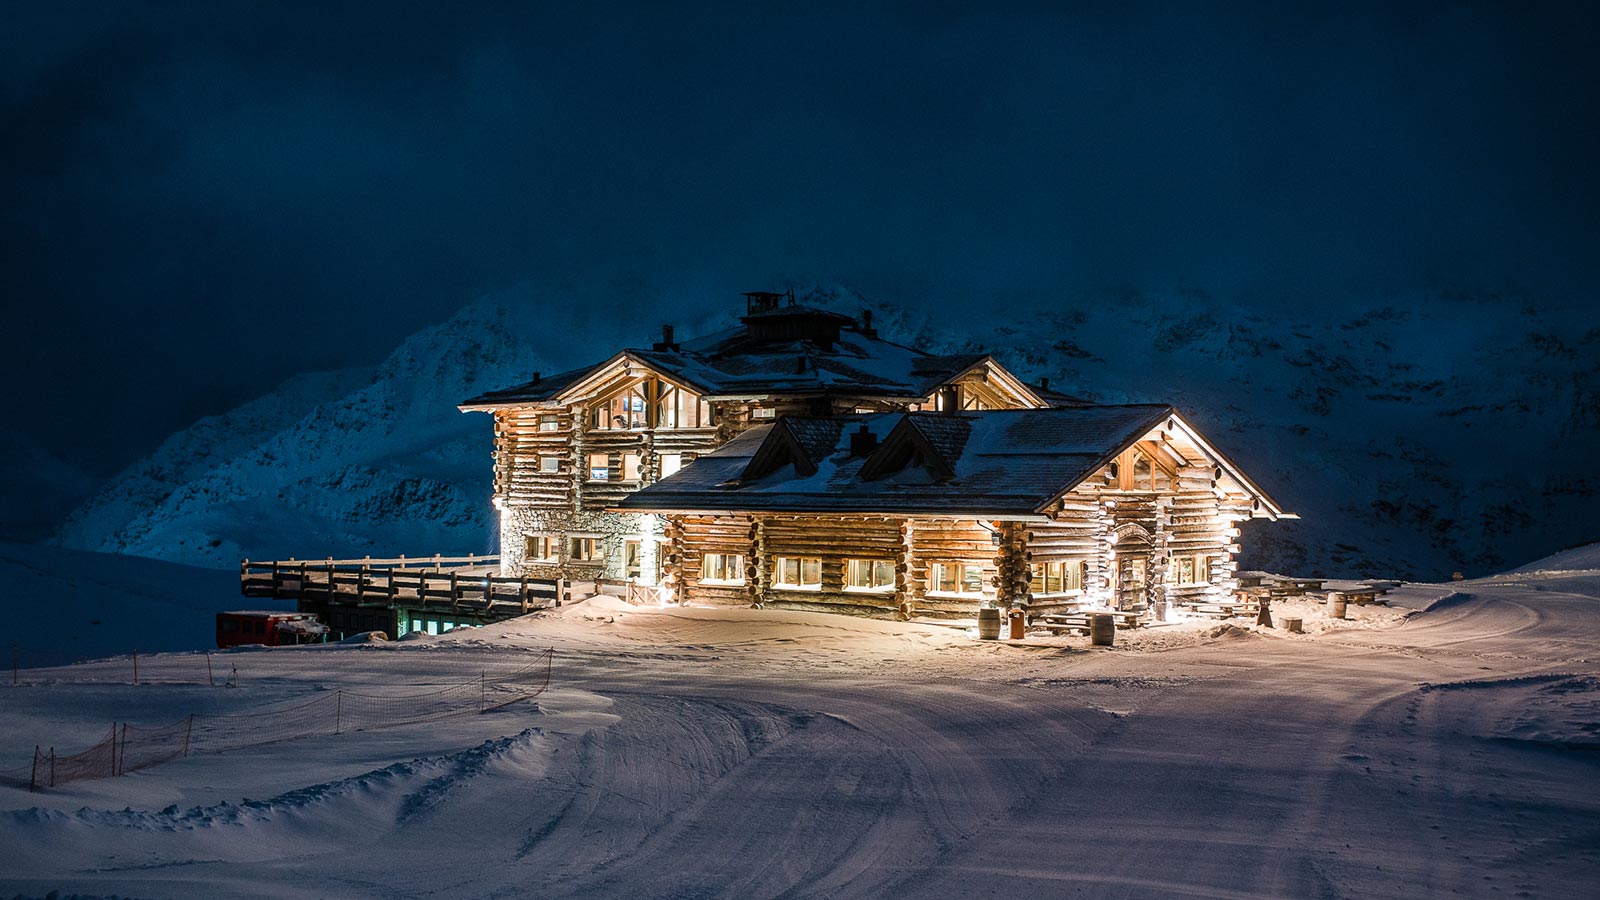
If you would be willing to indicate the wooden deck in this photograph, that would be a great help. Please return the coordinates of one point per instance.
(466, 584)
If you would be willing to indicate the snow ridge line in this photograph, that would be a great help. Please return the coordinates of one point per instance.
(335, 713)
(1514, 681)
(444, 772)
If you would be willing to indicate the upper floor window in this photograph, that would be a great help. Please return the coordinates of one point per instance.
(549, 464)
(621, 412)
(869, 574)
(678, 408)
(549, 423)
(763, 412)
(670, 463)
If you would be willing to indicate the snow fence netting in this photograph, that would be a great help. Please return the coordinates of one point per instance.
(129, 747)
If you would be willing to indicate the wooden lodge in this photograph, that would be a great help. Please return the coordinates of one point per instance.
(932, 515)
(800, 460)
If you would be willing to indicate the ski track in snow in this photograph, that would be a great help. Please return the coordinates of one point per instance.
(758, 754)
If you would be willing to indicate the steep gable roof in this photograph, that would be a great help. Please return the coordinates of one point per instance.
(745, 362)
(1001, 463)
(802, 442)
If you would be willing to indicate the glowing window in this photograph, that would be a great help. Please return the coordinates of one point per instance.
(869, 574)
(957, 578)
(722, 568)
(797, 572)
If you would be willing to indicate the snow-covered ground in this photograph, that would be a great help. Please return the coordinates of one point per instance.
(1445, 748)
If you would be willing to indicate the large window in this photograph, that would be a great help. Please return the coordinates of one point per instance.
(621, 412)
(599, 467)
(869, 575)
(678, 408)
(722, 568)
(586, 549)
(630, 467)
(957, 578)
(541, 547)
(797, 573)
(1058, 577)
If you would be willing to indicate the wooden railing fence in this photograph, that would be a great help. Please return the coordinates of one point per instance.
(457, 583)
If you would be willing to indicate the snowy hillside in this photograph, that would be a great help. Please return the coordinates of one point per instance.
(1403, 435)
(1415, 440)
(384, 465)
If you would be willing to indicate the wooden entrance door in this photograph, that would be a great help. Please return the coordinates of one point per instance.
(1133, 576)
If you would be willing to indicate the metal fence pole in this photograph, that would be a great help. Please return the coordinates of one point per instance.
(338, 710)
(135, 667)
(210, 679)
(52, 767)
(33, 777)
(187, 731)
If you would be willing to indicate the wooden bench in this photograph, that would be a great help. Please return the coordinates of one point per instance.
(1056, 623)
(1222, 610)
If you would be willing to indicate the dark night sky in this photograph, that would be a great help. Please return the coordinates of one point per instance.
(201, 201)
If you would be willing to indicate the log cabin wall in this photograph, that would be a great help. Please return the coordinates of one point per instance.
(948, 542)
(561, 499)
(832, 540)
(694, 536)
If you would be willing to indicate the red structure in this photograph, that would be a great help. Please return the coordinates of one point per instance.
(272, 628)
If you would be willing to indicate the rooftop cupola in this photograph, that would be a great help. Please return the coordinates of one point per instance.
(774, 318)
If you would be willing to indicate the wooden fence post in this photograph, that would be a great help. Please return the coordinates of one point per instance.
(524, 595)
(455, 590)
(274, 579)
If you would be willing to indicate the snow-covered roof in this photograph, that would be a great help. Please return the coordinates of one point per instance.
(735, 363)
(999, 463)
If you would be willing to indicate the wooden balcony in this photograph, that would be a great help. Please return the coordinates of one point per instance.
(465, 584)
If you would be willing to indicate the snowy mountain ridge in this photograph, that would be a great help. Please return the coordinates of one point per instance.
(1402, 435)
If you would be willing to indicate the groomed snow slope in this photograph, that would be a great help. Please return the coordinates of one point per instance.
(746, 754)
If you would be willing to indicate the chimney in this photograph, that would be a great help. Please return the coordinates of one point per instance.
(862, 442)
(865, 327)
(536, 377)
(666, 342)
(1044, 384)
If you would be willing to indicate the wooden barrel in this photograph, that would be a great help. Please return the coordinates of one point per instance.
(1336, 603)
(989, 624)
(1102, 630)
